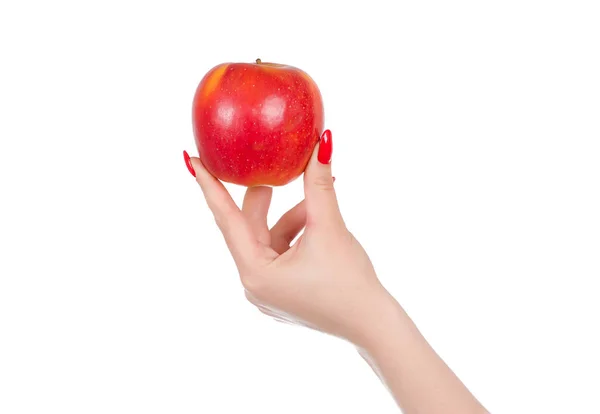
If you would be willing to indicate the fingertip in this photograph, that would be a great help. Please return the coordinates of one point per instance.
(319, 187)
(201, 173)
(207, 182)
(195, 162)
(320, 160)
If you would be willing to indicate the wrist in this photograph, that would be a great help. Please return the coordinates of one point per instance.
(385, 323)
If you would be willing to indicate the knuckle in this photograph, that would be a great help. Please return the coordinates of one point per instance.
(218, 221)
(323, 183)
(254, 284)
(223, 219)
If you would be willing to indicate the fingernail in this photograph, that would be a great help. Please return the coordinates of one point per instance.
(188, 163)
(325, 148)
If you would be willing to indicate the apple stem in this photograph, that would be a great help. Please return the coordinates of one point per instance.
(258, 61)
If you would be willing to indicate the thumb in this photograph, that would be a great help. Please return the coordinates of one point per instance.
(321, 202)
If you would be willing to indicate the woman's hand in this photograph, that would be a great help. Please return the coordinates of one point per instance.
(325, 280)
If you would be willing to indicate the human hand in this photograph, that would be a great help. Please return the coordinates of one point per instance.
(325, 280)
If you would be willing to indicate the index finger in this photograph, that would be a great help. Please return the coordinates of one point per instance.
(238, 235)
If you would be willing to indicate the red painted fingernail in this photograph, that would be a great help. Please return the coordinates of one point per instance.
(188, 163)
(325, 148)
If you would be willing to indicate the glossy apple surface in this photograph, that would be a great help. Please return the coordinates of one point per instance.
(256, 123)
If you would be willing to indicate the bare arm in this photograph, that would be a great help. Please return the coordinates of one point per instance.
(416, 376)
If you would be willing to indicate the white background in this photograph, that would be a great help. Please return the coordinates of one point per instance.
(466, 150)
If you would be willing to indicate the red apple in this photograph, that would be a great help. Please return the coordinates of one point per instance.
(257, 123)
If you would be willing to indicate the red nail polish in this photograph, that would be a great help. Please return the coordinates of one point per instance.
(188, 163)
(325, 148)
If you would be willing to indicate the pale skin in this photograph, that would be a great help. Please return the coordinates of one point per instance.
(325, 281)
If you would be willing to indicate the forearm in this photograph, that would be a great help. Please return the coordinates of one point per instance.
(418, 379)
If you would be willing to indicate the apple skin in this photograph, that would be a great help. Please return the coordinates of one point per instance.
(257, 123)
